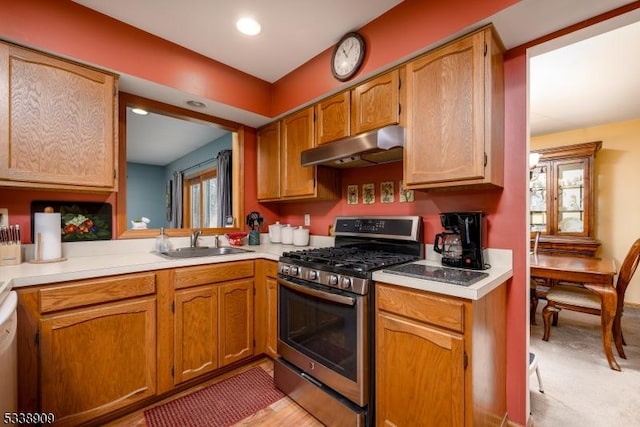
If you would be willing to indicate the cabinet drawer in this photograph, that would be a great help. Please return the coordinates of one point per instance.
(94, 291)
(421, 306)
(201, 275)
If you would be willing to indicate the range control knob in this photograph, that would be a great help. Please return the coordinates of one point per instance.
(345, 283)
(313, 275)
(294, 270)
(284, 269)
(333, 280)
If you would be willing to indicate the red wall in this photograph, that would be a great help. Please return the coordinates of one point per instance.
(409, 27)
(74, 31)
(71, 30)
(19, 204)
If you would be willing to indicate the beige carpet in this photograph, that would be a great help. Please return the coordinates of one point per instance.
(579, 387)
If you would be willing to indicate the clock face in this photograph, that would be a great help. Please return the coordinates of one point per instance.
(347, 56)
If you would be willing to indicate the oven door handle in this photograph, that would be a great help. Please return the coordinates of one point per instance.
(340, 299)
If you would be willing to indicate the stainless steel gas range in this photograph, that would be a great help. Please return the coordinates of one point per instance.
(326, 315)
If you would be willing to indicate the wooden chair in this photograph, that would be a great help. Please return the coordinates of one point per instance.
(578, 298)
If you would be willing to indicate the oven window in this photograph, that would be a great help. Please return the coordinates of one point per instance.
(323, 330)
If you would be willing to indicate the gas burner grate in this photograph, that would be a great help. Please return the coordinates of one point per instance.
(349, 258)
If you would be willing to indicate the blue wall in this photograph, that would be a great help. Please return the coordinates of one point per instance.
(146, 184)
(203, 154)
(146, 194)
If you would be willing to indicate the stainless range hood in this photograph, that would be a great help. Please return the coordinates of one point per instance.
(367, 149)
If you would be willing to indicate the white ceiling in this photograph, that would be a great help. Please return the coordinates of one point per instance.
(579, 85)
(293, 31)
(158, 140)
(591, 82)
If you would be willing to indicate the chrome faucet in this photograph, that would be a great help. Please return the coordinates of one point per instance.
(194, 237)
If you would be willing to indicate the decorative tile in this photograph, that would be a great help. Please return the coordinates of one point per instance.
(386, 192)
(352, 194)
(405, 195)
(368, 194)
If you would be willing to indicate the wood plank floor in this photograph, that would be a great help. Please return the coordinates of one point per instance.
(284, 412)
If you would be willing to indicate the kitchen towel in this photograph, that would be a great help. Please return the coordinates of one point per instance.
(46, 233)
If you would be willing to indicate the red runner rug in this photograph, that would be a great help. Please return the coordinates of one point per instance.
(219, 405)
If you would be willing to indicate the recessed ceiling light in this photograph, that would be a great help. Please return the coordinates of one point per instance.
(139, 111)
(248, 26)
(196, 104)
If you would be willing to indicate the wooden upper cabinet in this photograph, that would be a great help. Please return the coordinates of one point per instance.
(292, 135)
(268, 162)
(333, 118)
(297, 136)
(376, 103)
(58, 123)
(455, 115)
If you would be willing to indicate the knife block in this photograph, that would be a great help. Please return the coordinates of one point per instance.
(10, 254)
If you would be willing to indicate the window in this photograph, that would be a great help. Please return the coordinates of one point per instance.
(201, 199)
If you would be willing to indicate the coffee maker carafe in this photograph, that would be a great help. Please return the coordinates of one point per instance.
(462, 245)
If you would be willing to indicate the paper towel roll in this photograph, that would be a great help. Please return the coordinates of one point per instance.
(46, 233)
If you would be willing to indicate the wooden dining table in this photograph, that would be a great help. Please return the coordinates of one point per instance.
(596, 274)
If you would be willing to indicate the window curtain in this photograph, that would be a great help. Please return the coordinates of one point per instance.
(224, 186)
(176, 200)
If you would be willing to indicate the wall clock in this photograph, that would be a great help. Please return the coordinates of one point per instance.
(347, 56)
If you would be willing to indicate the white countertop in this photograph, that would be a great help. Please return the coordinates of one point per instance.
(86, 260)
(500, 271)
(104, 258)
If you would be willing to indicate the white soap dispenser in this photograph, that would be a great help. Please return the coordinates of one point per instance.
(162, 242)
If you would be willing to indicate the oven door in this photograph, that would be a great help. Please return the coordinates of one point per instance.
(323, 332)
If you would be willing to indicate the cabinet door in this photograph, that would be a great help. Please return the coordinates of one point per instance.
(297, 136)
(419, 364)
(333, 118)
(236, 321)
(446, 115)
(195, 332)
(97, 360)
(57, 122)
(268, 162)
(272, 316)
(375, 104)
(539, 181)
(571, 187)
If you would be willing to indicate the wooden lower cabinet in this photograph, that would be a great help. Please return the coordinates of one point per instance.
(196, 332)
(433, 368)
(266, 307)
(399, 338)
(94, 349)
(236, 321)
(87, 361)
(213, 320)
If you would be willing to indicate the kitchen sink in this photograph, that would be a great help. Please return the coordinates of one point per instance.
(189, 252)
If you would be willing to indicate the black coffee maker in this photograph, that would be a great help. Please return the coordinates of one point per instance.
(462, 245)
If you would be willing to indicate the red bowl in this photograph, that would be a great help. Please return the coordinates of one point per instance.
(236, 239)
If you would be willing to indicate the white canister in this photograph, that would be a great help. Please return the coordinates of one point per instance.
(275, 232)
(301, 236)
(287, 235)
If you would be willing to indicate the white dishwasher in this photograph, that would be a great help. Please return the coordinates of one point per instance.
(8, 350)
